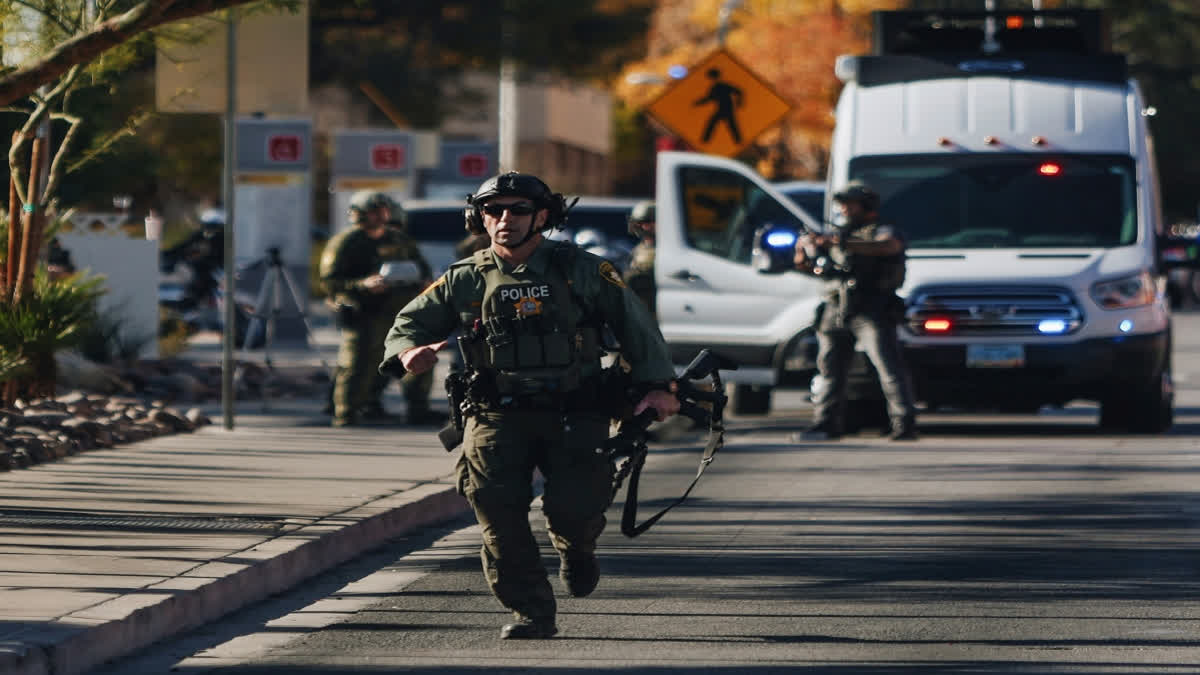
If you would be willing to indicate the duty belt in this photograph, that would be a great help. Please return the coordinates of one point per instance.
(584, 398)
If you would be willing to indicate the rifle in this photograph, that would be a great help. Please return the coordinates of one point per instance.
(629, 443)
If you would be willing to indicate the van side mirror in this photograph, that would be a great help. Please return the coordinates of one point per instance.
(774, 249)
(1178, 253)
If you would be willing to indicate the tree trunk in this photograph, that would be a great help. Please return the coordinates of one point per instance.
(31, 238)
(14, 236)
(42, 378)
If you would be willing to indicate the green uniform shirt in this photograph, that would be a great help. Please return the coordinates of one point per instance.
(351, 256)
(640, 274)
(874, 274)
(454, 300)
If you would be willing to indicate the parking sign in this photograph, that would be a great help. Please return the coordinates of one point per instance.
(388, 157)
(285, 148)
(472, 165)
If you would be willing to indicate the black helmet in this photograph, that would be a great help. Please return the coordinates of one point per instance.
(514, 184)
(858, 191)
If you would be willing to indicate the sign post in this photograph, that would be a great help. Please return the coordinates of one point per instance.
(273, 193)
(720, 107)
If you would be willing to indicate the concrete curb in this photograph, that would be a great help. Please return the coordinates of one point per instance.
(127, 624)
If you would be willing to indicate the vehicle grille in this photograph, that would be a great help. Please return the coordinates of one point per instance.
(994, 310)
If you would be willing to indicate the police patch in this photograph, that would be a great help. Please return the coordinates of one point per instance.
(525, 299)
(609, 274)
(528, 307)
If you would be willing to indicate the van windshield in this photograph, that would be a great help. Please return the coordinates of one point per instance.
(1005, 201)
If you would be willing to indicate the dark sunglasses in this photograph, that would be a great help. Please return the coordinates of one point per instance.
(518, 209)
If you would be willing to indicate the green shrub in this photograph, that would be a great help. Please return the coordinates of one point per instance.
(54, 315)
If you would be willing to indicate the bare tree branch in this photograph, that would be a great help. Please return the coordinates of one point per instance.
(100, 38)
(64, 148)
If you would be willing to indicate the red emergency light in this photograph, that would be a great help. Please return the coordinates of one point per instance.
(1013, 22)
(937, 325)
(1050, 169)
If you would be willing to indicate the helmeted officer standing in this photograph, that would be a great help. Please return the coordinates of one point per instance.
(531, 310)
(640, 273)
(367, 300)
(866, 267)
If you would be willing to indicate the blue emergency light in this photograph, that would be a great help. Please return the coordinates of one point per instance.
(781, 239)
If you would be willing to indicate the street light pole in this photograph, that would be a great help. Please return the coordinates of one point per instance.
(509, 107)
(727, 8)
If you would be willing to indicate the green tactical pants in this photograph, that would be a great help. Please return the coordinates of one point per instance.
(358, 382)
(500, 452)
(875, 333)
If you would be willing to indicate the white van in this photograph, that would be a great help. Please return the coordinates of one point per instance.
(1024, 181)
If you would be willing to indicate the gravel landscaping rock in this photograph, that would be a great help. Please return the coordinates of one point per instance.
(147, 399)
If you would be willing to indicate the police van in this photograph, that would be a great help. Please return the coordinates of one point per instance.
(1012, 150)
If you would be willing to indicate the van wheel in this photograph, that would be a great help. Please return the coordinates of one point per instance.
(1147, 410)
(750, 399)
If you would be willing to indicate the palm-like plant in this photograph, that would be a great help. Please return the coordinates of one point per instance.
(12, 366)
(50, 318)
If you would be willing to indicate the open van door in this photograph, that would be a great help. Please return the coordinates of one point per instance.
(709, 293)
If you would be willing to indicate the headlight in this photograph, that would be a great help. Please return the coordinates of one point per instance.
(1126, 292)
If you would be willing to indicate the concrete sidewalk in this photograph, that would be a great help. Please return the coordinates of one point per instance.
(106, 552)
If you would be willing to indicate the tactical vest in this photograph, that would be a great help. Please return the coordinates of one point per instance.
(534, 337)
(875, 273)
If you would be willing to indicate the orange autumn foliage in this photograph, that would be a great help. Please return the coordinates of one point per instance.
(792, 46)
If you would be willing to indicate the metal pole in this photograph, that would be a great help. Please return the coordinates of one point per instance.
(227, 189)
(509, 108)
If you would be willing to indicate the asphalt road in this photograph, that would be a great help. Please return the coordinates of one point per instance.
(995, 544)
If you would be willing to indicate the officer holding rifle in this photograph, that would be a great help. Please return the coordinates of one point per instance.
(863, 265)
(531, 312)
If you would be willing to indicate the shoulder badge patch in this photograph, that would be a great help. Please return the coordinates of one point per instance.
(609, 274)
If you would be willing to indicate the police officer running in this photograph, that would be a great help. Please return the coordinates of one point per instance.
(866, 267)
(640, 273)
(531, 310)
(366, 302)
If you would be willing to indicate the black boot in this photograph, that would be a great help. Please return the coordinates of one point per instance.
(528, 629)
(904, 429)
(579, 573)
(822, 431)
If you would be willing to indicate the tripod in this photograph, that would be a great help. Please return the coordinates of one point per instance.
(269, 304)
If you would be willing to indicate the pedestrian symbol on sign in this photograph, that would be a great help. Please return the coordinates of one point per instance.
(727, 99)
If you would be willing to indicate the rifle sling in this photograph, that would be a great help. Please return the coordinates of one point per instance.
(629, 526)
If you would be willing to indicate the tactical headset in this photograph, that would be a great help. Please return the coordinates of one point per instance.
(514, 184)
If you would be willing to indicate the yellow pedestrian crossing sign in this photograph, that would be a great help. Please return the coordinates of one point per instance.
(720, 107)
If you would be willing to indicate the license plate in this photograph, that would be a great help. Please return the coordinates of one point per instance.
(995, 356)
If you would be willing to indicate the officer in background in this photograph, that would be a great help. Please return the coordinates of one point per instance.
(365, 302)
(531, 311)
(471, 243)
(866, 268)
(640, 273)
